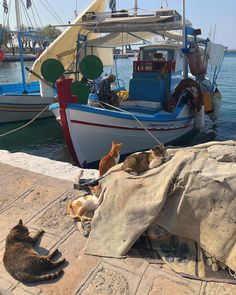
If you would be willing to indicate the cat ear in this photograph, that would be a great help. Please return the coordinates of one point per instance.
(20, 222)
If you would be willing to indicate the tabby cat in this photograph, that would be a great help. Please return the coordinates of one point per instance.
(111, 159)
(23, 262)
(142, 161)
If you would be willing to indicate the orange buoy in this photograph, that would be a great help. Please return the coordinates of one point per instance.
(2, 55)
(208, 103)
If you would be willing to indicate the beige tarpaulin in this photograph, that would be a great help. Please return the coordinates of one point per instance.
(64, 47)
(192, 195)
(119, 39)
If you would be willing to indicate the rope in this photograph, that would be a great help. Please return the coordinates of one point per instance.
(232, 274)
(116, 108)
(25, 125)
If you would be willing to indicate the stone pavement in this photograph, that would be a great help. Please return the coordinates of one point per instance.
(41, 202)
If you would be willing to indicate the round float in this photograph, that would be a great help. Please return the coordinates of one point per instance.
(81, 90)
(91, 67)
(52, 69)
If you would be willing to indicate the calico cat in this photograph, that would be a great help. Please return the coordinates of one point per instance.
(21, 260)
(79, 207)
(111, 159)
(142, 161)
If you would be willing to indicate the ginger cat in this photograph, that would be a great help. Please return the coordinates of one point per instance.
(21, 260)
(111, 159)
(142, 161)
(79, 207)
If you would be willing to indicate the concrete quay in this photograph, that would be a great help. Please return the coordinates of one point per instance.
(40, 200)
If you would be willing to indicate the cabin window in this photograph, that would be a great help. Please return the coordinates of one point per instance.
(158, 55)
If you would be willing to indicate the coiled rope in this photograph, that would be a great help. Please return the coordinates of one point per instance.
(25, 125)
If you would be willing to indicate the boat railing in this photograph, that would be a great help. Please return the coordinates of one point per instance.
(101, 16)
(153, 66)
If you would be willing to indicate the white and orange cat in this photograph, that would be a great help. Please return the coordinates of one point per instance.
(79, 207)
(110, 159)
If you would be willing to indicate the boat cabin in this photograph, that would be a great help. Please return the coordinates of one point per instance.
(155, 72)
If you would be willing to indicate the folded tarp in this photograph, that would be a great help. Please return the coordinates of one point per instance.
(192, 195)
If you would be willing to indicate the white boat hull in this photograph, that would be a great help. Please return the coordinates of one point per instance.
(15, 108)
(90, 135)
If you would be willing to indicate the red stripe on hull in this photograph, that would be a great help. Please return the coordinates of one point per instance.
(128, 128)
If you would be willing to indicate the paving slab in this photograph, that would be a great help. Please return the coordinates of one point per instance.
(79, 268)
(158, 280)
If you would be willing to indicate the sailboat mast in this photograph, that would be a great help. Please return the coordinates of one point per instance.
(18, 23)
(184, 41)
(135, 7)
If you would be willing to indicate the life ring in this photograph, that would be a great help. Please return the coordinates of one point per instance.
(192, 92)
(2, 55)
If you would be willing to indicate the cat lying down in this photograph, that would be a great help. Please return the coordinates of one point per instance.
(79, 207)
(22, 261)
(143, 161)
(135, 163)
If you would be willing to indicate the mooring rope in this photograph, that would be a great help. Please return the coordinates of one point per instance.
(25, 125)
(140, 123)
(232, 274)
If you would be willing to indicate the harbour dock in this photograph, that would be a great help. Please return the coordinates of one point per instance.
(40, 200)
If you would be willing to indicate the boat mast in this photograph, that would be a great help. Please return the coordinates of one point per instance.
(76, 9)
(135, 7)
(185, 43)
(18, 23)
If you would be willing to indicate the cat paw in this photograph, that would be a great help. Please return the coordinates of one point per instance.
(55, 252)
(61, 261)
(133, 173)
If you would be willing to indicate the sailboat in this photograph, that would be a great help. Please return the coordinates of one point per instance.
(24, 101)
(165, 101)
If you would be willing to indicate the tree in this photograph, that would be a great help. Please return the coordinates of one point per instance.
(6, 37)
(49, 32)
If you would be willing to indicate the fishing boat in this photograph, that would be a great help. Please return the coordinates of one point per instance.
(165, 102)
(23, 101)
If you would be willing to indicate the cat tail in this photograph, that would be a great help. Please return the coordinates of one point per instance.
(38, 278)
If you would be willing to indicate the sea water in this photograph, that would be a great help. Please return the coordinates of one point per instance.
(45, 138)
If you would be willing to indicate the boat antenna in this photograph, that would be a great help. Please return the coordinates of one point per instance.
(163, 5)
(76, 9)
(185, 42)
(18, 23)
(135, 7)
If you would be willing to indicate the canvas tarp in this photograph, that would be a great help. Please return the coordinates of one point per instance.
(192, 195)
(120, 39)
(64, 47)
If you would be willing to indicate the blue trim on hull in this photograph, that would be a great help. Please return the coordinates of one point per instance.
(170, 117)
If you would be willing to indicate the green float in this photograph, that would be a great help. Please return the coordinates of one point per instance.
(52, 69)
(91, 67)
(81, 90)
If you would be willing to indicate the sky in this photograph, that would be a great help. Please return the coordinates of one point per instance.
(204, 14)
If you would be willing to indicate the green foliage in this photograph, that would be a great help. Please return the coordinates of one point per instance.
(49, 32)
